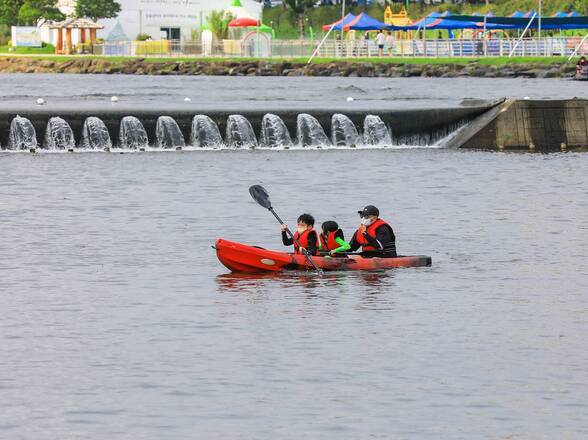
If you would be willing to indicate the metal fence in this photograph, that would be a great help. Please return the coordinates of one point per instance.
(224, 48)
(532, 47)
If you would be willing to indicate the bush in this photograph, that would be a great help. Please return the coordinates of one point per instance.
(143, 37)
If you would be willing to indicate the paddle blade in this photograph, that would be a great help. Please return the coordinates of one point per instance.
(260, 195)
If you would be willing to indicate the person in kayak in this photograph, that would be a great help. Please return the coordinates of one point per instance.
(332, 239)
(374, 236)
(305, 234)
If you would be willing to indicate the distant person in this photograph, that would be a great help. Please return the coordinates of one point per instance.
(380, 41)
(374, 236)
(366, 44)
(478, 36)
(582, 68)
(332, 239)
(439, 35)
(390, 43)
(305, 234)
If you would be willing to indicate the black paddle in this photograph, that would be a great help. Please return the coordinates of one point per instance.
(261, 196)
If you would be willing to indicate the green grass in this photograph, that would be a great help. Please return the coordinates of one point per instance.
(48, 49)
(496, 61)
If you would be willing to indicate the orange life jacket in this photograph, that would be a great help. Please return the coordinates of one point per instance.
(371, 231)
(303, 240)
(329, 243)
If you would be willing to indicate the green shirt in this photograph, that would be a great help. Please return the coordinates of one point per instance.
(343, 246)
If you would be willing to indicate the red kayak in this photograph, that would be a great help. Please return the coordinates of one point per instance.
(242, 258)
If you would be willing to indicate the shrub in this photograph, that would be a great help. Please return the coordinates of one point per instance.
(143, 37)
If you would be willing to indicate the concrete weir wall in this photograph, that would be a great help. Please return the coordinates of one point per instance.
(410, 126)
(528, 124)
(546, 125)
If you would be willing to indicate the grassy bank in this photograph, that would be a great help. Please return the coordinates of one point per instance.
(495, 61)
(46, 50)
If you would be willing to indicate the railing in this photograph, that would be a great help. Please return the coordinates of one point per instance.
(532, 47)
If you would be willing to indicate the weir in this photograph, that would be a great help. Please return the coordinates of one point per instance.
(130, 127)
(510, 124)
(545, 125)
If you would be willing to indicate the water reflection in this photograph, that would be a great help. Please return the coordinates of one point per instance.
(379, 290)
(251, 283)
(241, 282)
(375, 290)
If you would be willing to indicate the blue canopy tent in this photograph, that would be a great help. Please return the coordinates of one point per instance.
(436, 14)
(364, 22)
(430, 23)
(361, 22)
(337, 26)
(477, 14)
(576, 22)
(437, 21)
(519, 14)
(565, 14)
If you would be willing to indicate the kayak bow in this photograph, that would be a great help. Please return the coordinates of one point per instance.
(238, 257)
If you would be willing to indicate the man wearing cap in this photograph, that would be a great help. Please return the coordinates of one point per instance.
(375, 237)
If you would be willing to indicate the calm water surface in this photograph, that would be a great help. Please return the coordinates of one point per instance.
(270, 93)
(118, 322)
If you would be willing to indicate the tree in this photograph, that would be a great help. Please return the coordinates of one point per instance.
(9, 11)
(218, 22)
(299, 7)
(96, 9)
(32, 10)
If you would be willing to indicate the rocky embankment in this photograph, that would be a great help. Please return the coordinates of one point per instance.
(139, 66)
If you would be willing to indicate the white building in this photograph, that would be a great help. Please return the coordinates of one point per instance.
(168, 19)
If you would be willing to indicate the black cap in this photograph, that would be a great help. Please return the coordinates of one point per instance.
(369, 210)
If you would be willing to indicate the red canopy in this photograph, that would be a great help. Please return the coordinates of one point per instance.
(244, 22)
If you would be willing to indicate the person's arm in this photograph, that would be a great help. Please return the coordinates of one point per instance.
(343, 246)
(312, 244)
(353, 244)
(286, 240)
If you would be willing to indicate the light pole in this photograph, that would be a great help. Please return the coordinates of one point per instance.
(342, 17)
(539, 27)
(259, 21)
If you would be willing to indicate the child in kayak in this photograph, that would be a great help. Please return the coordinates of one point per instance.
(332, 239)
(305, 234)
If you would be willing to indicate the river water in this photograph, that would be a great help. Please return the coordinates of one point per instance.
(264, 93)
(117, 321)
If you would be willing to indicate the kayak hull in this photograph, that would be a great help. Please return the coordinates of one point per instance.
(242, 258)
